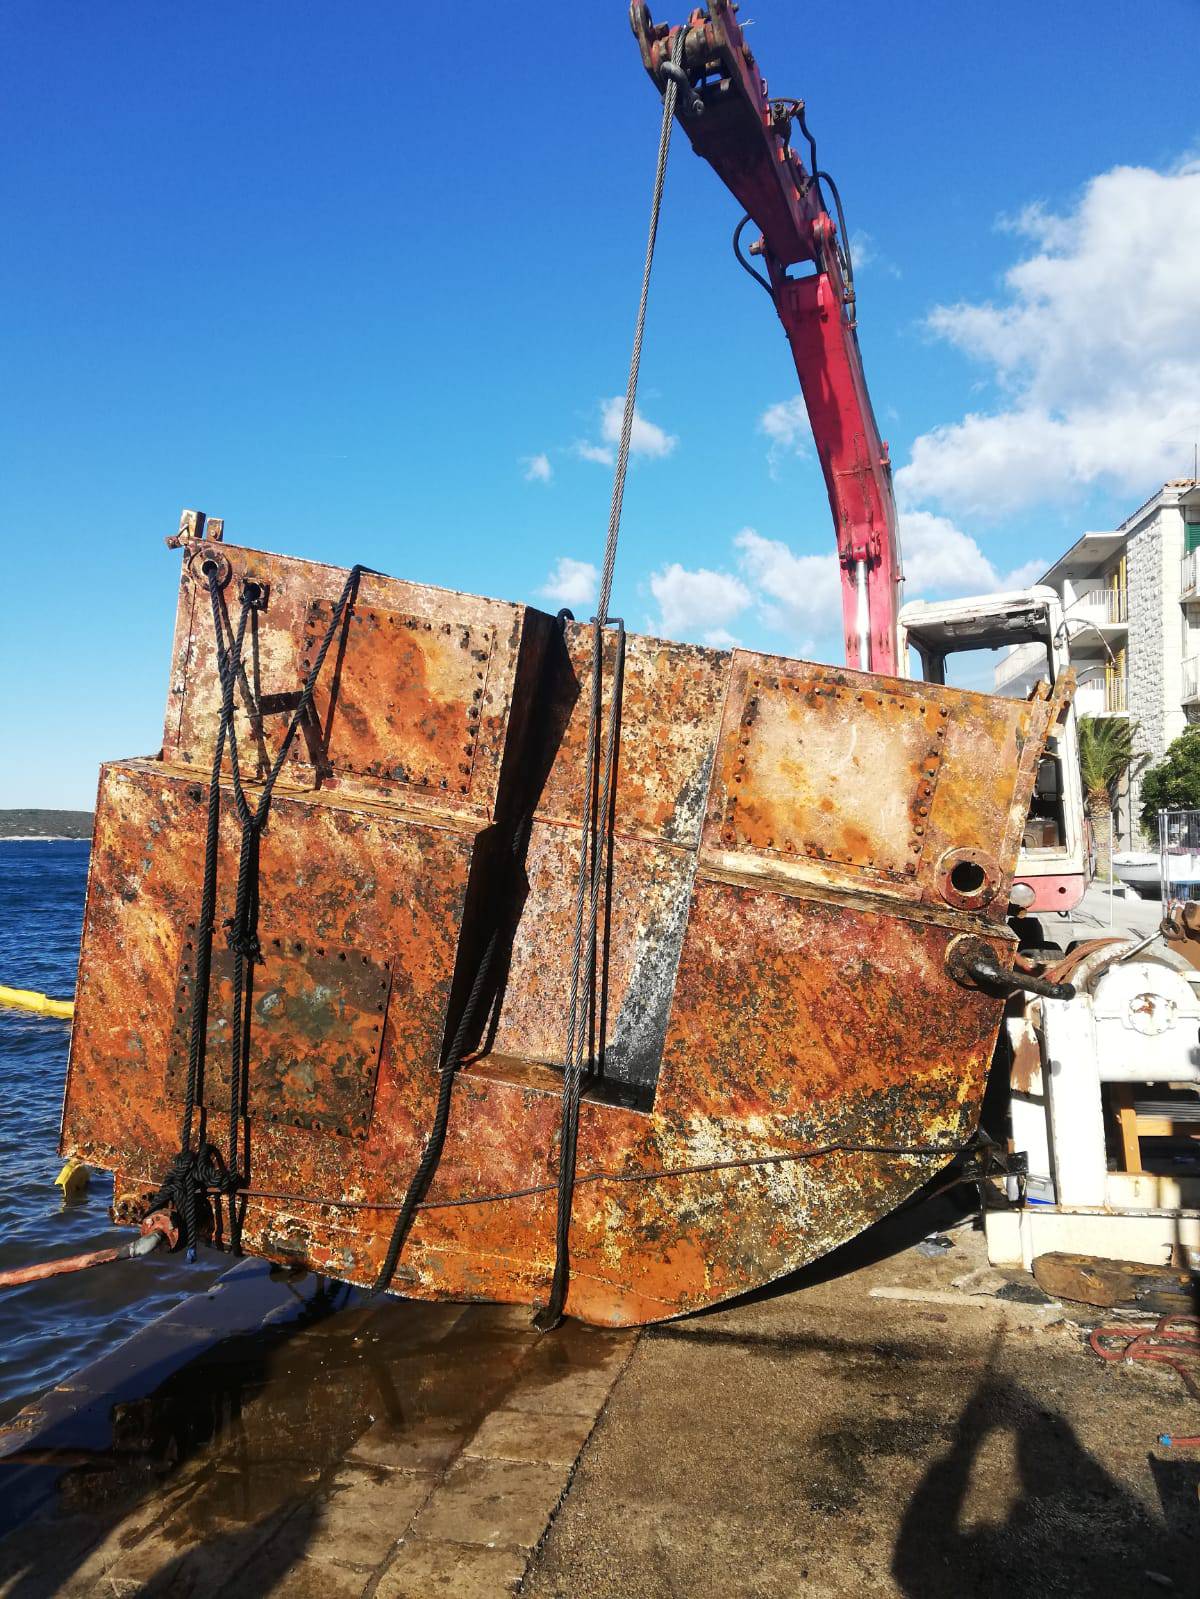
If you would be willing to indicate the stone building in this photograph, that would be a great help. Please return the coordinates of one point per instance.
(1131, 606)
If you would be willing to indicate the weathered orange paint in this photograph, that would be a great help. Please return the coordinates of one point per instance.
(772, 978)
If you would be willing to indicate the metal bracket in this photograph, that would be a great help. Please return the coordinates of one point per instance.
(196, 528)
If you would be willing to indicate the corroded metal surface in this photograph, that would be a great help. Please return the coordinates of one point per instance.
(318, 1016)
(794, 849)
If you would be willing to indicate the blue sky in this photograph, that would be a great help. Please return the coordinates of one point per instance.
(340, 273)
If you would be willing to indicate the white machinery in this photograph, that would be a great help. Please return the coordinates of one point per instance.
(1128, 1043)
(1126, 1047)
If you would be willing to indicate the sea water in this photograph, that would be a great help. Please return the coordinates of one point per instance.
(49, 1329)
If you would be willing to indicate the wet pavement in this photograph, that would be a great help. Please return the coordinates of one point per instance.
(891, 1422)
(326, 1449)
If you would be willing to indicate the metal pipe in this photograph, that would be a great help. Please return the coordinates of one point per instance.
(96, 1257)
(862, 616)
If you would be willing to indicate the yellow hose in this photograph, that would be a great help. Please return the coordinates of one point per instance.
(26, 999)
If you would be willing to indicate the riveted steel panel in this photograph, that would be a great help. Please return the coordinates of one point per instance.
(403, 699)
(317, 1016)
(400, 697)
(846, 782)
(837, 771)
(670, 716)
(643, 914)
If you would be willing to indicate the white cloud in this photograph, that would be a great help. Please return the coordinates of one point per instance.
(600, 453)
(866, 254)
(800, 596)
(1094, 345)
(786, 425)
(940, 559)
(537, 468)
(571, 583)
(646, 438)
(697, 603)
(794, 592)
(721, 638)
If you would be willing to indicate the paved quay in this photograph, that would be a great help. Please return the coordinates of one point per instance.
(394, 1450)
(889, 1423)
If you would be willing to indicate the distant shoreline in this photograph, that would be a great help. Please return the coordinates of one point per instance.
(32, 824)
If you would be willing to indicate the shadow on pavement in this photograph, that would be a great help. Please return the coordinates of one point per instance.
(1058, 1523)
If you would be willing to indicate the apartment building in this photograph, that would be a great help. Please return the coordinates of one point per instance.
(1131, 607)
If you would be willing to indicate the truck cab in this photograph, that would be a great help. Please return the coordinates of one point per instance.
(1052, 870)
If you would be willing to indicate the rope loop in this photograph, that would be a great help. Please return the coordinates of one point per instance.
(194, 1173)
(242, 941)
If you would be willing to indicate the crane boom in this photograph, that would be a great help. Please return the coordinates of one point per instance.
(724, 109)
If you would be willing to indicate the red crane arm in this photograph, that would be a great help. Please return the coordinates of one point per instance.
(724, 109)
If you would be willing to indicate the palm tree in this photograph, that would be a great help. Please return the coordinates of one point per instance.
(1105, 755)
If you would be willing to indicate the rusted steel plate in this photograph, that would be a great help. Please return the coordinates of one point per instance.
(758, 1008)
(403, 699)
(840, 772)
(645, 911)
(317, 1019)
(670, 714)
(337, 880)
(878, 786)
(422, 682)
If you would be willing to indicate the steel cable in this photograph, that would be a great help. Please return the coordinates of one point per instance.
(590, 854)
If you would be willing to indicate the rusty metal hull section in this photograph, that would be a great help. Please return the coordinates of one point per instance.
(794, 848)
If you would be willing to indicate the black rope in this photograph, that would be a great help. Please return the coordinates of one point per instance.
(518, 844)
(196, 1172)
(639, 1175)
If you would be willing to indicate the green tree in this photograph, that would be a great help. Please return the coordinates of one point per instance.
(1173, 782)
(1105, 755)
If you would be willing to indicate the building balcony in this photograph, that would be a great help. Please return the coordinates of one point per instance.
(1015, 673)
(1105, 608)
(1189, 577)
(1191, 679)
(1102, 697)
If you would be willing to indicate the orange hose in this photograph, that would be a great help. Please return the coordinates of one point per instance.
(54, 1268)
(1172, 1341)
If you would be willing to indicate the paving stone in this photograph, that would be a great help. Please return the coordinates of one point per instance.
(509, 1319)
(182, 1559)
(530, 1435)
(44, 1556)
(567, 1392)
(111, 1541)
(493, 1502)
(422, 1445)
(396, 1322)
(575, 1343)
(425, 1568)
(250, 1492)
(365, 1512)
(305, 1579)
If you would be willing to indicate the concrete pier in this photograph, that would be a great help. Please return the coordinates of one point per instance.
(894, 1423)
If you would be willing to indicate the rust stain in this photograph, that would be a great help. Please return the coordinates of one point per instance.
(772, 951)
